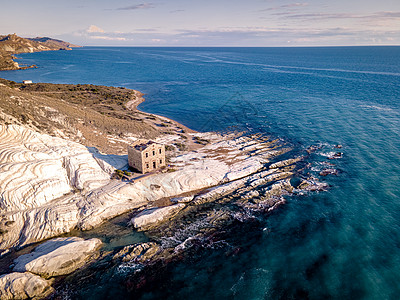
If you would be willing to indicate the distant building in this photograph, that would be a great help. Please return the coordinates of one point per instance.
(146, 156)
(26, 81)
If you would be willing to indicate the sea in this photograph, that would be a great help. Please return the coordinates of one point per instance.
(340, 244)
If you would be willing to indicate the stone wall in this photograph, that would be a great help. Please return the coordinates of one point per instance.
(135, 159)
(151, 158)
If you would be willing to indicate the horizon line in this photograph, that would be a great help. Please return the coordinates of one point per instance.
(180, 46)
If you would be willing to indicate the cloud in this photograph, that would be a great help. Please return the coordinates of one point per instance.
(387, 14)
(146, 29)
(176, 11)
(138, 6)
(248, 36)
(96, 33)
(376, 15)
(94, 28)
(107, 38)
(290, 5)
(264, 36)
(323, 16)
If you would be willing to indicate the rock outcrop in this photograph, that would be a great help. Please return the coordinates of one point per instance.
(39, 177)
(151, 217)
(6, 62)
(139, 252)
(23, 286)
(50, 185)
(57, 257)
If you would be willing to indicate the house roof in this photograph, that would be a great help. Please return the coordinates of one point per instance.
(142, 145)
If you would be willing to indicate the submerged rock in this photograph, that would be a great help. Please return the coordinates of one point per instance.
(330, 171)
(58, 256)
(336, 155)
(139, 253)
(23, 286)
(312, 184)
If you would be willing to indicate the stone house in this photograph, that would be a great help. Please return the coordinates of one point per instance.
(146, 156)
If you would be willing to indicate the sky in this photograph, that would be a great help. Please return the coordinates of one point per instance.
(253, 23)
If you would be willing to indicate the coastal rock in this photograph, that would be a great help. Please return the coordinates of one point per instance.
(276, 190)
(139, 253)
(285, 163)
(151, 217)
(50, 185)
(335, 155)
(329, 171)
(58, 256)
(182, 199)
(219, 191)
(23, 286)
(244, 185)
(312, 184)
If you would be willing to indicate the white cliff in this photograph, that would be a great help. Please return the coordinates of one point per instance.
(49, 185)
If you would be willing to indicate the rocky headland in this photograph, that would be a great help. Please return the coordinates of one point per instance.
(12, 44)
(60, 147)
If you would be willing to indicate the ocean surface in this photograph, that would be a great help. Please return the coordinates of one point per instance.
(339, 244)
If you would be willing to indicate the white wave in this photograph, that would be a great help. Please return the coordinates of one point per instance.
(129, 267)
(277, 67)
(377, 107)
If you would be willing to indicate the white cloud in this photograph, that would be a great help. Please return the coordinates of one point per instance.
(94, 28)
(107, 38)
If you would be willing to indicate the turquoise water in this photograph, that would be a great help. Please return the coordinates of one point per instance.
(344, 243)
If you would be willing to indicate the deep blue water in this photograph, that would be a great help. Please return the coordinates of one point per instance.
(344, 243)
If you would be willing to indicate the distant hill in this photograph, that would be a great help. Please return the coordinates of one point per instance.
(53, 42)
(13, 44)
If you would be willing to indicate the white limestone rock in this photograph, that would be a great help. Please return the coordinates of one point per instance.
(182, 199)
(48, 185)
(58, 256)
(23, 286)
(38, 173)
(37, 168)
(152, 217)
(285, 163)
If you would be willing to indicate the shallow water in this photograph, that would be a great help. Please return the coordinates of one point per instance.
(343, 243)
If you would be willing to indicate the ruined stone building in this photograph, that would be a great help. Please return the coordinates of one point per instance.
(146, 156)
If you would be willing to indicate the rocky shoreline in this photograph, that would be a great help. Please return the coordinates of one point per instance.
(12, 44)
(239, 177)
(52, 185)
(196, 222)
